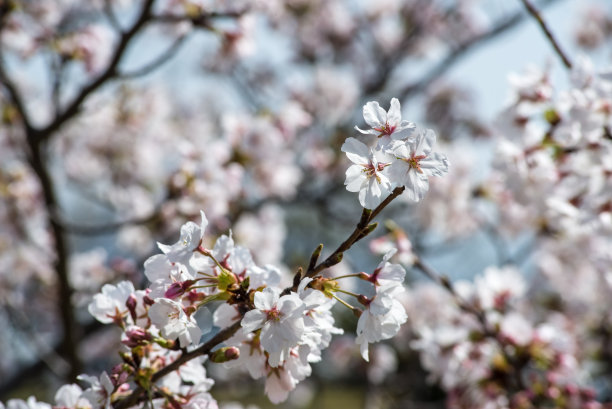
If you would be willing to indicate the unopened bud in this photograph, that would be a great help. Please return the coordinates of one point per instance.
(131, 304)
(224, 354)
(363, 300)
(364, 276)
(335, 259)
(165, 343)
(175, 290)
(226, 279)
(135, 337)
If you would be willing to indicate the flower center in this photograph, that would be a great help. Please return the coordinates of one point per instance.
(386, 129)
(273, 314)
(371, 170)
(414, 160)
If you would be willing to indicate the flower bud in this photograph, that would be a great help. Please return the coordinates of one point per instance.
(135, 337)
(363, 300)
(224, 354)
(226, 279)
(131, 304)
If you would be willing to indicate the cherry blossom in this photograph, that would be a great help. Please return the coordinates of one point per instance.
(387, 125)
(281, 322)
(174, 323)
(368, 175)
(415, 162)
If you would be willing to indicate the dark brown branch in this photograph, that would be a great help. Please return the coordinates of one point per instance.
(110, 15)
(108, 74)
(362, 229)
(551, 38)
(200, 20)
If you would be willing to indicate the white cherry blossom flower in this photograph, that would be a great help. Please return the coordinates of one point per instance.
(100, 391)
(415, 162)
(386, 125)
(110, 305)
(388, 273)
(182, 250)
(69, 396)
(31, 403)
(281, 322)
(367, 176)
(381, 320)
(168, 315)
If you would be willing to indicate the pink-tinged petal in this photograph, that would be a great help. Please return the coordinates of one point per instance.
(356, 151)
(394, 116)
(374, 115)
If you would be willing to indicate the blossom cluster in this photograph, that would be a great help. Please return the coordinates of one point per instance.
(282, 331)
(272, 329)
(403, 157)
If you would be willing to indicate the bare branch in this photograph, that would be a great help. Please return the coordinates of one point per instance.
(111, 72)
(536, 14)
(464, 49)
(158, 62)
(112, 18)
(99, 229)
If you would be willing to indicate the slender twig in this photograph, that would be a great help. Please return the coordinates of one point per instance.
(361, 230)
(477, 313)
(112, 18)
(197, 20)
(462, 51)
(92, 230)
(536, 14)
(109, 73)
(157, 62)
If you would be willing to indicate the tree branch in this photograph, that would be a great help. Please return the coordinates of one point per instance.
(536, 14)
(111, 72)
(463, 50)
(158, 62)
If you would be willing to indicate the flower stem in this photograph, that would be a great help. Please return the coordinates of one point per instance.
(341, 301)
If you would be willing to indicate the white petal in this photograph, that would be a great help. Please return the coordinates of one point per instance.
(356, 151)
(374, 115)
(252, 321)
(355, 177)
(394, 116)
(368, 132)
(436, 164)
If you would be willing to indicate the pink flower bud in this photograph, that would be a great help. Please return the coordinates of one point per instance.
(131, 304)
